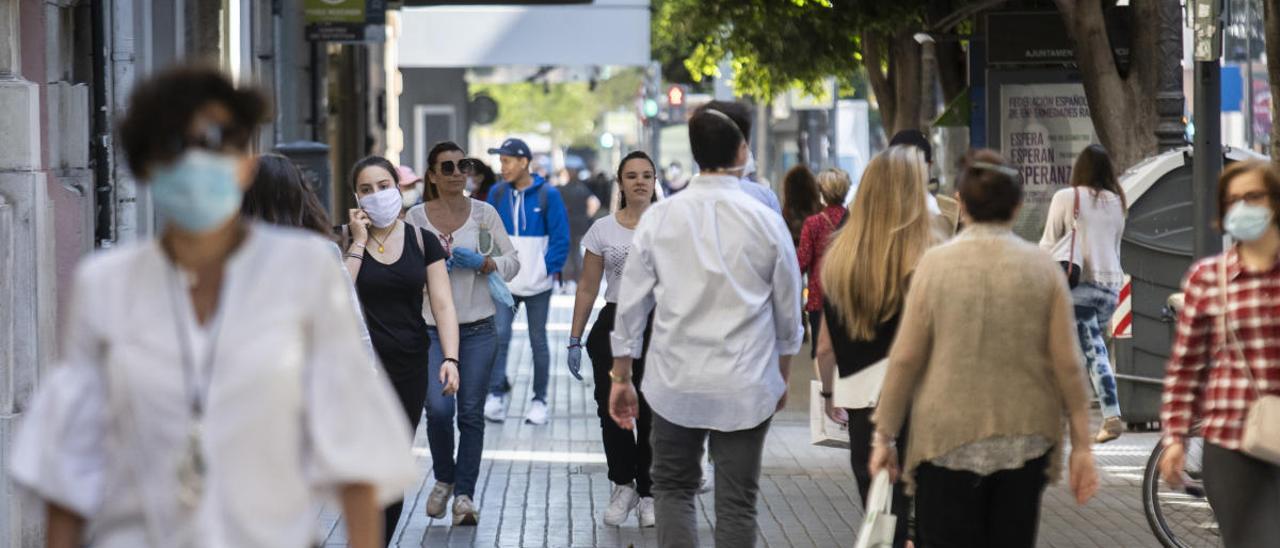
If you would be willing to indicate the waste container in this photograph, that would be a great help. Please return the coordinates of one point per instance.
(1156, 252)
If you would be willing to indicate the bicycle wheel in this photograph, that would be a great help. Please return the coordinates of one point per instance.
(1179, 518)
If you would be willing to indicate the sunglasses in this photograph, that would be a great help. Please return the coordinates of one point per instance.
(468, 166)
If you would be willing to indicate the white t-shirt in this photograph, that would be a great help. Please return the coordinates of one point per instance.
(1101, 228)
(611, 241)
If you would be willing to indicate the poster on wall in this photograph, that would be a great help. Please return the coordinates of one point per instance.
(1042, 129)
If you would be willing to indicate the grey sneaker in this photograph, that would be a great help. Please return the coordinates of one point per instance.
(465, 512)
(439, 499)
(495, 408)
(623, 500)
(647, 516)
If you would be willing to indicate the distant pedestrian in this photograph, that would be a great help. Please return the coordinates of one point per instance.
(471, 233)
(483, 180)
(212, 387)
(986, 362)
(815, 239)
(740, 114)
(675, 179)
(413, 189)
(581, 206)
(1092, 212)
(945, 211)
(392, 263)
(534, 215)
(718, 271)
(800, 199)
(1226, 360)
(279, 196)
(608, 245)
(868, 269)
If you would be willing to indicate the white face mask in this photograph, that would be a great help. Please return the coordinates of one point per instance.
(382, 206)
(411, 196)
(749, 167)
(471, 185)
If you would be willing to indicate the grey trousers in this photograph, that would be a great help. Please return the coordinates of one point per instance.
(677, 473)
(1245, 495)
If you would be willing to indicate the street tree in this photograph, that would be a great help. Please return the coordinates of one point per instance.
(775, 46)
(567, 112)
(1122, 103)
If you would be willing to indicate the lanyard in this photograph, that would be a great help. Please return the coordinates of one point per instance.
(196, 387)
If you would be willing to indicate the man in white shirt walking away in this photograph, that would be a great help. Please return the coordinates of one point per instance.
(723, 334)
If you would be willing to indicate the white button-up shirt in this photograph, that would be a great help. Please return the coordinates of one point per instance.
(719, 271)
(295, 406)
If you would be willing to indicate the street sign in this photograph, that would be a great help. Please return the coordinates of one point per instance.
(483, 110)
(345, 20)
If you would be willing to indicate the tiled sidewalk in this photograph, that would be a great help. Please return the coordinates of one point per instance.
(547, 485)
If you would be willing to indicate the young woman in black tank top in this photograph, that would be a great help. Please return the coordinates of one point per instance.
(391, 262)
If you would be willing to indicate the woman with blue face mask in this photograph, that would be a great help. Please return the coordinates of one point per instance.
(1226, 358)
(212, 388)
(393, 264)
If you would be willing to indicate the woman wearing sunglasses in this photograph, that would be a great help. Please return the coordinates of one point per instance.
(471, 232)
(393, 265)
(212, 386)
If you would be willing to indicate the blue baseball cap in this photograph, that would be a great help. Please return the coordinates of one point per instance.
(512, 147)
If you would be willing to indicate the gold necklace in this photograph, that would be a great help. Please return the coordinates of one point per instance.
(383, 240)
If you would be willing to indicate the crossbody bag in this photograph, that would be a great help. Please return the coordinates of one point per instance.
(1260, 437)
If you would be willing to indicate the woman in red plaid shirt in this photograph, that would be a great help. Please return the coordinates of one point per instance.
(1208, 382)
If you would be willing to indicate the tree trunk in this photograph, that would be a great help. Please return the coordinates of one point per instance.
(1271, 13)
(1123, 109)
(893, 67)
(952, 68)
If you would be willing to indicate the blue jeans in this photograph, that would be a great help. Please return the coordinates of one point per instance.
(1094, 306)
(536, 308)
(475, 353)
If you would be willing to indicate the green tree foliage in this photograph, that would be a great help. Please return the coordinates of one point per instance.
(566, 111)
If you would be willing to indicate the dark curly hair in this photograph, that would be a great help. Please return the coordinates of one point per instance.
(161, 108)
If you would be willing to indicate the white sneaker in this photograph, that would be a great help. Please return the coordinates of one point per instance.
(647, 518)
(439, 499)
(495, 408)
(621, 503)
(537, 414)
(464, 511)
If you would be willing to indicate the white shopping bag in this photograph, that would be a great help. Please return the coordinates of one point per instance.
(861, 390)
(823, 431)
(878, 522)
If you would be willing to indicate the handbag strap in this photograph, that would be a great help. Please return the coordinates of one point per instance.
(1233, 344)
(1075, 222)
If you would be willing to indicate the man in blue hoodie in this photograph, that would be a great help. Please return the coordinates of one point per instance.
(535, 217)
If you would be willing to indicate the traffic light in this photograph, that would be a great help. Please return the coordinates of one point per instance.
(675, 103)
(650, 108)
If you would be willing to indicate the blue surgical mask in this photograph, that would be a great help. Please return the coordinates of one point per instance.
(1246, 222)
(198, 192)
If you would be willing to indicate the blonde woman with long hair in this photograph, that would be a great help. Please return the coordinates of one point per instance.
(865, 275)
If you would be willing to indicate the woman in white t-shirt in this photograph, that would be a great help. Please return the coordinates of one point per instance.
(608, 242)
(1099, 228)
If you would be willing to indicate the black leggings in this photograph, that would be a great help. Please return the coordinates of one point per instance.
(860, 430)
(627, 453)
(956, 509)
(412, 393)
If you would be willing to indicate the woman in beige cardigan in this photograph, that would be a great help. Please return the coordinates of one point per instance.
(986, 361)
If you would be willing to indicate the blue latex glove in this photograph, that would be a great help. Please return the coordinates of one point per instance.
(467, 258)
(575, 357)
(498, 290)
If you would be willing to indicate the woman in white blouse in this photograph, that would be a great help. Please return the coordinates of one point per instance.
(1096, 207)
(608, 242)
(471, 232)
(212, 385)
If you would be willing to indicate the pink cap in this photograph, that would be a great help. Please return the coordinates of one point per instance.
(407, 176)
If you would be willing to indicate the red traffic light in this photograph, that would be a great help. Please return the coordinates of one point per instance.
(675, 96)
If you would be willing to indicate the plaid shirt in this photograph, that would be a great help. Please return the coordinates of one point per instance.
(1206, 379)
